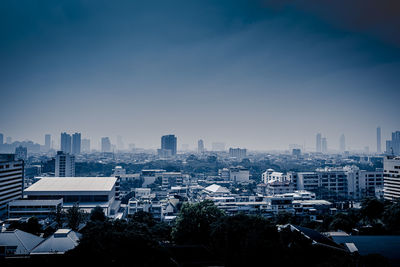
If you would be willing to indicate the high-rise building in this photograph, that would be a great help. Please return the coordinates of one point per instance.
(388, 147)
(86, 145)
(200, 146)
(342, 141)
(65, 165)
(324, 145)
(318, 145)
(21, 153)
(105, 144)
(237, 152)
(66, 143)
(47, 142)
(12, 180)
(1, 139)
(378, 140)
(168, 142)
(391, 177)
(393, 146)
(76, 143)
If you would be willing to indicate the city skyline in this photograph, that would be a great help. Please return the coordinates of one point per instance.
(199, 70)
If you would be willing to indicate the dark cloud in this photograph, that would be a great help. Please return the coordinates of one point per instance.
(378, 19)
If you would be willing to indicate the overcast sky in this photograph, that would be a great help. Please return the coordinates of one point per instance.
(255, 74)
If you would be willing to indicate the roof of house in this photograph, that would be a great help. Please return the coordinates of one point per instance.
(58, 243)
(73, 184)
(214, 188)
(24, 242)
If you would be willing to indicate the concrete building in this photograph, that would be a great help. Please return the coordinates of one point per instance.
(86, 145)
(105, 145)
(200, 146)
(237, 152)
(65, 165)
(239, 175)
(271, 176)
(1, 139)
(378, 140)
(150, 176)
(169, 142)
(66, 143)
(37, 208)
(47, 142)
(170, 179)
(89, 192)
(307, 181)
(76, 143)
(11, 180)
(391, 176)
(318, 145)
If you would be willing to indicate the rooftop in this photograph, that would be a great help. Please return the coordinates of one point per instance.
(73, 184)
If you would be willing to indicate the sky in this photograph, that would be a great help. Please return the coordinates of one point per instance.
(260, 74)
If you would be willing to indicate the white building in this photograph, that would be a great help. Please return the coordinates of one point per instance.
(89, 192)
(38, 208)
(271, 176)
(170, 179)
(307, 181)
(391, 173)
(11, 180)
(65, 165)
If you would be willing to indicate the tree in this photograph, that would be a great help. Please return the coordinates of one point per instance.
(372, 209)
(33, 226)
(97, 214)
(74, 217)
(391, 217)
(193, 222)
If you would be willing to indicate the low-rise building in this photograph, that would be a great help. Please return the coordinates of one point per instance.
(43, 208)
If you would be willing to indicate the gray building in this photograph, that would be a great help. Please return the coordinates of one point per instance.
(66, 143)
(391, 178)
(65, 165)
(168, 142)
(76, 143)
(47, 142)
(105, 144)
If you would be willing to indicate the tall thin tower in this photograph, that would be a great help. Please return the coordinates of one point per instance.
(378, 140)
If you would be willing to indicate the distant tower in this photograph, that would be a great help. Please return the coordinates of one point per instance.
(65, 143)
(342, 141)
(318, 145)
(1, 139)
(76, 143)
(168, 142)
(105, 144)
(378, 140)
(324, 144)
(200, 146)
(86, 145)
(47, 142)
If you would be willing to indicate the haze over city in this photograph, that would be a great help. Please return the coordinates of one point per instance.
(255, 74)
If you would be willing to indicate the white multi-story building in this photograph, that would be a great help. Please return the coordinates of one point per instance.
(170, 179)
(271, 176)
(11, 180)
(307, 181)
(65, 165)
(391, 173)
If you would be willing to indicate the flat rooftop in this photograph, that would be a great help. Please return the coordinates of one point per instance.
(65, 184)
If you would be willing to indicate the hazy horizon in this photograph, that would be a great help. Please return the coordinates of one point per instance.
(254, 74)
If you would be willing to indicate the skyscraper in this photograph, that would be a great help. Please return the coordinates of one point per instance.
(105, 144)
(168, 142)
(324, 145)
(65, 165)
(393, 146)
(1, 139)
(47, 142)
(391, 179)
(76, 143)
(318, 145)
(65, 143)
(200, 146)
(12, 180)
(378, 140)
(342, 141)
(86, 145)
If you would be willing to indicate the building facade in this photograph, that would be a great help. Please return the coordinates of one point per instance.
(65, 165)
(391, 179)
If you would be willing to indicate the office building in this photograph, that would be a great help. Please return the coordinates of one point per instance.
(65, 165)
(324, 145)
(76, 143)
(342, 145)
(89, 192)
(239, 175)
(378, 140)
(168, 142)
(393, 146)
(47, 142)
(200, 146)
(11, 180)
(86, 145)
(66, 143)
(105, 145)
(318, 145)
(1, 139)
(391, 178)
(237, 152)
(21, 153)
